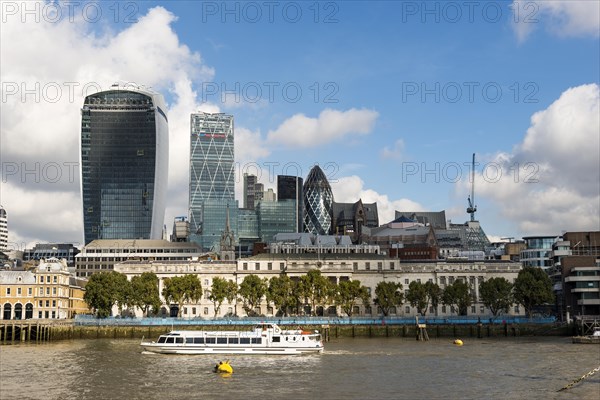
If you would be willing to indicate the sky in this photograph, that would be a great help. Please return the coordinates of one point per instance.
(390, 98)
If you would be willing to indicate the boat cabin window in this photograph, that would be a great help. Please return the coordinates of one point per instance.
(198, 340)
(222, 340)
(179, 340)
(189, 340)
(245, 340)
(171, 340)
(276, 339)
(233, 340)
(256, 340)
(162, 339)
(211, 340)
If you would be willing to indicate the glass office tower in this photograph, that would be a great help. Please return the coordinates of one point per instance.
(212, 175)
(289, 187)
(124, 164)
(318, 199)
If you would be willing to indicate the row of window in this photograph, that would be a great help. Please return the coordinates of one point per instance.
(30, 291)
(137, 250)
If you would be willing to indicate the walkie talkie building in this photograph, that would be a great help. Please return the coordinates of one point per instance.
(124, 164)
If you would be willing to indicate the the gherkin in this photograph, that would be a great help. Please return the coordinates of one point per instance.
(318, 200)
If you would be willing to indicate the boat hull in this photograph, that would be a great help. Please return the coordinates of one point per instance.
(586, 339)
(161, 349)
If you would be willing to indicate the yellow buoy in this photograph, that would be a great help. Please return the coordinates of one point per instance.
(224, 367)
(458, 342)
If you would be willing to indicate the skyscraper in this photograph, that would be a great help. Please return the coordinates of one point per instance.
(212, 177)
(318, 199)
(124, 164)
(3, 230)
(290, 188)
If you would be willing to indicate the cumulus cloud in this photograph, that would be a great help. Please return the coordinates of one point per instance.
(350, 189)
(550, 181)
(58, 63)
(561, 17)
(331, 125)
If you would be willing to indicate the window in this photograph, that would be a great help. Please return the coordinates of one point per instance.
(8, 291)
(221, 340)
(233, 340)
(444, 309)
(245, 266)
(257, 266)
(281, 266)
(407, 309)
(193, 310)
(473, 309)
(367, 265)
(47, 303)
(270, 266)
(18, 291)
(392, 265)
(206, 282)
(244, 340)
(48, 291)
(205, 311)
(379, 265)
(54, 291)
(406, 281)
(54, 279)
(41, 303)
(29, 291)
(53, 303)
(198, 340)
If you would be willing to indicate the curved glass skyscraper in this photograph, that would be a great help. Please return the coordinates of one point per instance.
(124, 164)
(318, 199)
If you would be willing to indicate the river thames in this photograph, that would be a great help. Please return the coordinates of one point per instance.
(350, 368)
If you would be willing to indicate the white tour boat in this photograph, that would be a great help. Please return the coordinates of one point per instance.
(265, 338)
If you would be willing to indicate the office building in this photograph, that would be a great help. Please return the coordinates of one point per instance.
(349, 218)
(212, 177)
(318, 199)
(290, 188)
(3, 230)
(124, 164)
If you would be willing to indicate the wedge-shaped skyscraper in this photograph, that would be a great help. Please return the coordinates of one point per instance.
(124, 164)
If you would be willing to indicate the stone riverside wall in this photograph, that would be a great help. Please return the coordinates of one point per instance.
(15, 332)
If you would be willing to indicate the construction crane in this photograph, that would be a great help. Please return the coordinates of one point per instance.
(471, 199)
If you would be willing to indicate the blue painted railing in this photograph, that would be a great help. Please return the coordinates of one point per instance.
(87, 320)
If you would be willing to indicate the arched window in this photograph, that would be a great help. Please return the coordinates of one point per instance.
(18, 311)
(28, 311)
(7, 311)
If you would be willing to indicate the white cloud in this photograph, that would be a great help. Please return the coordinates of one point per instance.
(302, 131)
(350, 189)
(396, 152)
(68, 56)
(551, 181)
(561, 17)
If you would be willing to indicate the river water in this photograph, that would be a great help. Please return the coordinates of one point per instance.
(359, 368)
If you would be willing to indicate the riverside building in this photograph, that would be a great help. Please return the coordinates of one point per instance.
(102, 255)
(124, 164)
(48, 291)
(368, 268)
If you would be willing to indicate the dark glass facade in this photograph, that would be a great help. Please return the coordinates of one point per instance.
(318, 199)
(120, 159)
(290, 188)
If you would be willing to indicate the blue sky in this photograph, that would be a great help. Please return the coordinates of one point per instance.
(395, 98)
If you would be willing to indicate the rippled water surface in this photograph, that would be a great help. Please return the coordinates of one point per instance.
(359, 368)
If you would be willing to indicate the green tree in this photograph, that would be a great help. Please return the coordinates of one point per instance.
(418, 297)
(497, 295)
(182, 289)
(349, 292)
(281, 293)
(435, 294)
(103, 290)
(221, 290)
(145, 294)
(315, 288)
(532, 288)
(123, 291)
(252, 290)
(458, 295)
(389, 294)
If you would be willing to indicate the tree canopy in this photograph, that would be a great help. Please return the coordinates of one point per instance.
(349, 292)
(221, 290)
(533, 288)
(145, 293)
(389, 294)
(182, 289)
(497, 295)
(458, 295)
(252, 290)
